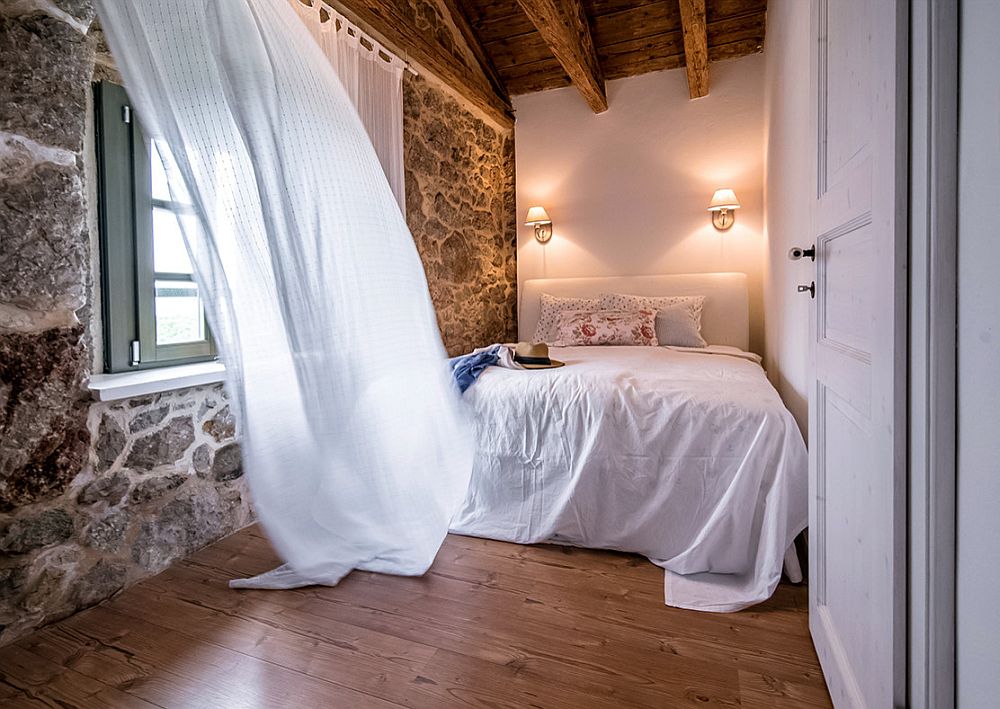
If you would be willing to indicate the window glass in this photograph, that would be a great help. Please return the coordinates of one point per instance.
(179, 311)
(169, 254)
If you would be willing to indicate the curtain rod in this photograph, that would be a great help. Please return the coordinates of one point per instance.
(369, 43)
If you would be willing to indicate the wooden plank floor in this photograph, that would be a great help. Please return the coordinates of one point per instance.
(491, 625)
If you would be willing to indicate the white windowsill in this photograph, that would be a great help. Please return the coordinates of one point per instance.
(111, 387)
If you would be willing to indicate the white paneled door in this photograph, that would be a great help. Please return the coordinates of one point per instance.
(857, 406)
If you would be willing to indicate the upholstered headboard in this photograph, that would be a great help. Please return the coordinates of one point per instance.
(724, 321)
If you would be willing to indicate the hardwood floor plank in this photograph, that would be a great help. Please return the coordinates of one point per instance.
(760, 689)
(223, 677)
(492, 625)
(330, 656)
(41, 682)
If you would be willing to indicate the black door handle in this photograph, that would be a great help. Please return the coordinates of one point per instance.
(797, 252)
(810, 289)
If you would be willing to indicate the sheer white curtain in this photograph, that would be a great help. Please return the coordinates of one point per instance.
(353, 442)
(373, 79)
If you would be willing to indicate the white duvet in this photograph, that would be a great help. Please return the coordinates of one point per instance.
(687, 457)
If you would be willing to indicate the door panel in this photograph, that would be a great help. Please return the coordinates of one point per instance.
(858, 350)
(844, 79)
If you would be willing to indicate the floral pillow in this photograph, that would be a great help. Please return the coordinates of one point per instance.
(607, 327)
(552, 308)
(679, 316)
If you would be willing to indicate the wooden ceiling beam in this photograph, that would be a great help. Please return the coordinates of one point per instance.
(474, 44)
(385, 18)
(564, 27)
(695, 46)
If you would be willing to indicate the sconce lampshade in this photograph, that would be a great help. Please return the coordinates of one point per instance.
(539, 218)
(537, 215)
(723, 199)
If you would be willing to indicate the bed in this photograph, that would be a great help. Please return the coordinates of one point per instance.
(686, 456)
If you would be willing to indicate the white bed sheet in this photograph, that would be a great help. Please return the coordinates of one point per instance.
(689, 458)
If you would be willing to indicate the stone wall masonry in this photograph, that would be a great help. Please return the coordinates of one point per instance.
(163, 479)
(460, 209)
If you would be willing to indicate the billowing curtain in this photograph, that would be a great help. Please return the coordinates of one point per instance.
(354, 446)
(373, 79)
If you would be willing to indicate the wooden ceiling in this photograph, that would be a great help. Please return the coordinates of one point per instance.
(493, 49)
(630, 36)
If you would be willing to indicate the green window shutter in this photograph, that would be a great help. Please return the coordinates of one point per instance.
(130, 281)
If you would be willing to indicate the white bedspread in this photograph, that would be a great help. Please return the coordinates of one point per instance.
(689, 458)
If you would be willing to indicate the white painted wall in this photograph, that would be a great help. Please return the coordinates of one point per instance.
(978, 478)
(787, 196)
(627, 190)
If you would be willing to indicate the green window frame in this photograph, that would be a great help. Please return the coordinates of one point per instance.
(131, 286)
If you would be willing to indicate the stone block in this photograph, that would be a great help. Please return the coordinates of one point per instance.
(46, 248)
(47, 69)
(24, 534)
(182, 526)
(222, 426)
(12, 586)
(102, 581)
(148, 419)
(164, 446)
(154, 488)
(228, 464)
(110, 489)
(201, 459)
(44, 439)
(108, 533)
(110, 443)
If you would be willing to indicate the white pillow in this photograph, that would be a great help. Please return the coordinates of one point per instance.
(681, 326)
(552, 307)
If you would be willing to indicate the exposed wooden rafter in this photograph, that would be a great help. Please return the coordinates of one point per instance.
(564, 27)
(695, 46)
(472, 41)
(386, 18)
(632, 37)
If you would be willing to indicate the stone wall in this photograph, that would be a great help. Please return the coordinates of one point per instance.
(163, 479)
(460, 209)
(92, 496)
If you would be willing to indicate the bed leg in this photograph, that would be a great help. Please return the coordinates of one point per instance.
(792, 568)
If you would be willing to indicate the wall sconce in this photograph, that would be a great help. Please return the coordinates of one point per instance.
(722, 207)
(539, 218)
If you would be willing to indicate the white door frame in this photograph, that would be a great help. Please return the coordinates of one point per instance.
(932, 340)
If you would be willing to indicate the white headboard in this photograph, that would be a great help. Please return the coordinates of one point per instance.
(724, 321)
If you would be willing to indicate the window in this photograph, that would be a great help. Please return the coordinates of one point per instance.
(153, 312)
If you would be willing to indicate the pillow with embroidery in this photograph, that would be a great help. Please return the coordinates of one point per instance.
(607, 327)
(678, 320)
(552, 308)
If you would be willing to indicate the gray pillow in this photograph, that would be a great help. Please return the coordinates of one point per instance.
(679, 324)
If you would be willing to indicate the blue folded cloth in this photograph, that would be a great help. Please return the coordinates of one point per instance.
(467, 368)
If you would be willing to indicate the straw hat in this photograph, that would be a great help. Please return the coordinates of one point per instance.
(534, 356)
